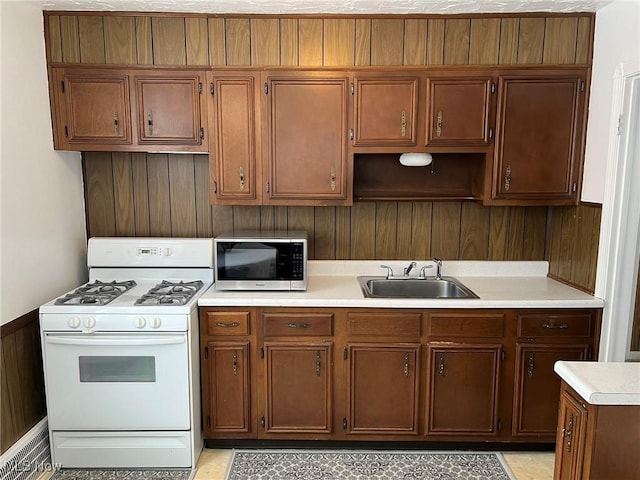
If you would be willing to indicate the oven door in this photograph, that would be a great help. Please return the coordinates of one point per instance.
(131, 381)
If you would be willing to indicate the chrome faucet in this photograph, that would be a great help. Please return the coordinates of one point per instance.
(438, 263)
(423, 271)
(408, 269)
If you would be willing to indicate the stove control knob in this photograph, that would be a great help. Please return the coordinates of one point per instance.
(140, 322)
(155, 322)
(90, 322)
(73, 322)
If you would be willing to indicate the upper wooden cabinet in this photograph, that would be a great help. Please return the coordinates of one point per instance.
(307, 157)
(459, 111)
(131, 110)
(539, 138)
(385, 109)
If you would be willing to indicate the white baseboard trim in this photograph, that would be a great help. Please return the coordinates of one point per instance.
(29, 457)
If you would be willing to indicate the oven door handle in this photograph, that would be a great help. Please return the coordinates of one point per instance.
(115, 341)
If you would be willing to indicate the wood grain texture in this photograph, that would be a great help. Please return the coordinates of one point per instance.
(531, 40)
(144, 41)
(415, 42)
(534, 236)
(363, 231)
(456, 41)
(421, 230)
(203, 207)
(343, 233)
(70, 40)
(238, 41)
(197, 41)
(387, 41)
(222, 219)
(324, 234)
(169, 41)
(99, 195)
(140, 185)
(445, 230)
(484, 42)
(91, 37)
(123, 194)
(363, 42)
(560, 40)
(310, 41)
(339, 42)
(584, 40)
(498, 233)
(515, 245)
(120, 40)
(404, 232)
(265, 41)
(509, 32)
(386, 228)
(246, 218)
(474, 231)
(54, 47)
(182, 195)
(217, 41)
(435, 41)
(159, 195)
(289, 41)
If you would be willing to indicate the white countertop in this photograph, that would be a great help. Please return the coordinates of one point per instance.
(603, 383)
(498, 284)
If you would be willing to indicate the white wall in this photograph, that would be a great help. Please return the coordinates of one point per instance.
(42, 233)
(616, 50)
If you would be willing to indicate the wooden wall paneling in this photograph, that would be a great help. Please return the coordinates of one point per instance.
(302, 218)
(535, 226)
(484, 41)
(584, 40)
(238, 41)
(281, 218)
(217, 41)
(581, 255)
(445, 230)
(54, 48)
(474, 231)
(169, 40)
(339, 42)
(530, 40)
(265, 41)
(91, 39)
(141, 193)
(387, 41)
(8, 427)
(363, 42)
(421, 221)
(515, 238)
(182, 195)
(324, 234)
(435, 41)
(498, 233)
(120, 40)
(509, 32)
(567, 233)
(635, 327)
(246, 218)
(267, 219)
(363, 231)
(144, 41)
(595, 245)
(100, 201)
(456, 41)
(343, 233)
(203, 205)
(159, 195)
(415, 42)
(289, 41)
(310, 41)
(13, 414)
(555, 239)
(560, 35)
(123, 194)
(70, 40)
(197, 40)
(386, 230)
(222, 219)
(404, 234)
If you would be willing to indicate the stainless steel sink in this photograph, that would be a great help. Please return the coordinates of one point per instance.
(382, 287)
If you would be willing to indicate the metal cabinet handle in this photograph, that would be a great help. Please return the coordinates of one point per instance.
(570, 433)
(507, 178)
(298, 325)
(332, 178)
(241, 179)
(439, 124)
(406, 365)
(150, 122)
(235, 363)
(403, 123)
(351, 134)
(531, 365)
(553, 326)
(318, 363)
(441, 365)
(227, 324)
(116, 122)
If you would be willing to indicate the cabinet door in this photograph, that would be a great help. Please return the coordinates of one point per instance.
(307, 157)
(385, 111)
(537, 387)
(459, 111)
(383, 389)
(570, 438)
(298, 387)
(234, 157)
(539, 138)
(463, 388)
(168, 109)
(226, 397)
(94, 109)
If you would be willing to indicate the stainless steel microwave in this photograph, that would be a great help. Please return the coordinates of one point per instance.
(261, 261)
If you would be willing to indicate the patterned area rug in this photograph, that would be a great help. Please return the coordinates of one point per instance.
(96, 474)
(366, 465)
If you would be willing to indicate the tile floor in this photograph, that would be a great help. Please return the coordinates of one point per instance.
(525, 466)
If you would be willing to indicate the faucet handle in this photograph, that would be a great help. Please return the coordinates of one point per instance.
(423, 273)
(389, 270)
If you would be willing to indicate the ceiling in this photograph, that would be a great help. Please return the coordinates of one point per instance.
(350, 7)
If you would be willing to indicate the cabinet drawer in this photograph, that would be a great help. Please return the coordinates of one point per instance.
(384, 324)
(569, 324)
(297, 324)
(227, 323)
(483, 325)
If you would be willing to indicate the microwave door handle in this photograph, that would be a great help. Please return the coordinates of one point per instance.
(91, 341)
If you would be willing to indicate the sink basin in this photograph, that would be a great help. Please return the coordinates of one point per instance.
(381, 287)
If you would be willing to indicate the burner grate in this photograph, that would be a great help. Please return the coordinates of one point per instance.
(96, 293)
(170, 293)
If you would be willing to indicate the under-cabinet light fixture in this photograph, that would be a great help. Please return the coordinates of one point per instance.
(416, 159)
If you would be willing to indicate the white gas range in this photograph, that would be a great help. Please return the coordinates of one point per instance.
(122, 371)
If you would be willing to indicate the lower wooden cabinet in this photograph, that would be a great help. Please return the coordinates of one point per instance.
(352, 374)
